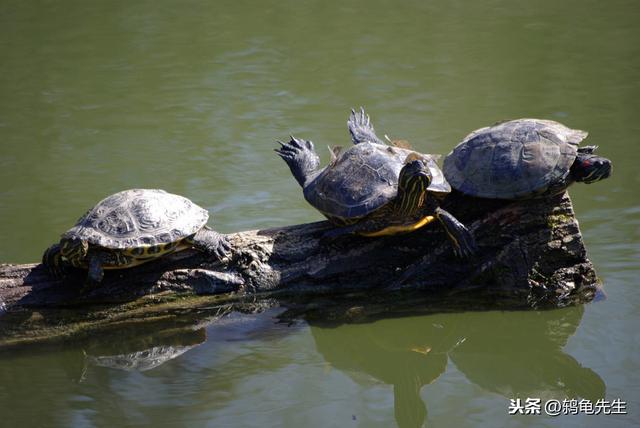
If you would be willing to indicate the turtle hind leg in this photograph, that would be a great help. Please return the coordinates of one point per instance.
(52, 260)
(361, 129)
(211, 242)
(301, 158)
(464, 246)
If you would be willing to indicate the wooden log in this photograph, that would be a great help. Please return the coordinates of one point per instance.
(531, 254)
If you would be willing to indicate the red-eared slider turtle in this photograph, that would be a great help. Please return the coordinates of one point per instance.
(133, 227)
(523, 158)
(374, 189)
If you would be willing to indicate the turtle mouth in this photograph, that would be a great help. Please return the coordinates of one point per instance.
(600, 172)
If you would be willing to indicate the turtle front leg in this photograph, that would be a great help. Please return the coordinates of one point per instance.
(96, 271)
(211, 242)
(53, 261)
(464, 246)
(301, 157)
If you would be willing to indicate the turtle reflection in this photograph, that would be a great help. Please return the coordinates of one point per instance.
(146, 355)
(514, 354)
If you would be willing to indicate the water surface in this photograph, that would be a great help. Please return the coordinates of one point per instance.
(96, 97)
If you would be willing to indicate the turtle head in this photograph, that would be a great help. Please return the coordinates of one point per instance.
(413, 182)
(74, 249)
(589, 168)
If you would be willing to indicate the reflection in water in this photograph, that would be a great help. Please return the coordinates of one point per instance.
(139, 360)
(104, 378)
(246, 368)
(517, 354)
(108, 95)
(150, 356)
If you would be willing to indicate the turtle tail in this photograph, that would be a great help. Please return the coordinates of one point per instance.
(301, 158)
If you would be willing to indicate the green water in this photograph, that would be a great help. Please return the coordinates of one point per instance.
(100, 96)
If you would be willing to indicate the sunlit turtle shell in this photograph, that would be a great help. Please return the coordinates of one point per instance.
(139, 218)
(362, 179)
(513, 159)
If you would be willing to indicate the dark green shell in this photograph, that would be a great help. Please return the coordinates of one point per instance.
(513, 159)
(139, 218)
(362, 179)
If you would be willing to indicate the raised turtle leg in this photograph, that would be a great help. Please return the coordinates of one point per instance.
(211, 242)
(464, 245)
(301, 158)
(52, 260)
(361, 129)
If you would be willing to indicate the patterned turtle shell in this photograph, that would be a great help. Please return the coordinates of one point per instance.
(139, 218)
(513, 159)
(362, 179)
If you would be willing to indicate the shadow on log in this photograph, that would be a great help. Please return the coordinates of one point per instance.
(531, 255)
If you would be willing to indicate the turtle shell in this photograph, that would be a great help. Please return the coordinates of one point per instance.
(513, 159)
(362, 179)
(139, 218)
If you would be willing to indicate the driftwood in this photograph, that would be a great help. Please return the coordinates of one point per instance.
(530, 254)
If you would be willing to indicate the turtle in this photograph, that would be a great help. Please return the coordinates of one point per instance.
(372, 188)
(132, 227)
(523, 158)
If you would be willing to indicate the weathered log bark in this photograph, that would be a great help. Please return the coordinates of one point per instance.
(531, 254)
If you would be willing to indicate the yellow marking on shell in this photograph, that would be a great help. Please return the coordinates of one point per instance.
(140, 255)
(402, 228)
(132, 263)
(152, 251)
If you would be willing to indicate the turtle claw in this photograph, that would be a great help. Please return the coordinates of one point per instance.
(223, 249)
(361, 129)
(466, 247)
(212, 243)
(294, 145)
(364, 116)
(300, 156)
